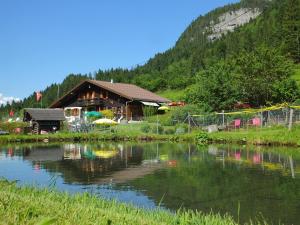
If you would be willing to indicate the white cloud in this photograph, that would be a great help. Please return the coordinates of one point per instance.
(4, 100)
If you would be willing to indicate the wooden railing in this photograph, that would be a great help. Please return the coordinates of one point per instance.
(95, 101)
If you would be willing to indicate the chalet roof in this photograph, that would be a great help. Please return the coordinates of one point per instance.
(46, 114)
(129, 91)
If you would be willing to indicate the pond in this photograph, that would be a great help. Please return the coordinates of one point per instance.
(245, 182)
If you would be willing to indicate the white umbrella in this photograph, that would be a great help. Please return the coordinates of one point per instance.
(105, 121)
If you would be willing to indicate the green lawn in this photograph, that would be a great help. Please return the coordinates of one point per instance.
(28, 205)
(174, 95)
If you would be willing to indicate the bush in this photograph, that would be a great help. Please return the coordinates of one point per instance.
(179, 114)
(11, 127)
(202, 138)
(158, 128)
(107, 113)
(145, 128)
(169, 130)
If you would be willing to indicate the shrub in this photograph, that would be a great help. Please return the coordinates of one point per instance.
(11, 127)
(179, 114)
(145, 128)
(169, 130)
(107, 113)
(202, 138)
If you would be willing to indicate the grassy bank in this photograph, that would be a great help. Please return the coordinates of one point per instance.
(29, 205)
(276, 136)
(84, 137)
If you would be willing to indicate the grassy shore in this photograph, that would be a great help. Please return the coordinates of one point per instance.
(275, 136)
(85, 137)
(28, 205)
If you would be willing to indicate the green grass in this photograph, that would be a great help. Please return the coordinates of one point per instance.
(275, 136)
(131, 132)
(29, 205)
(174, 95)
(260, 136)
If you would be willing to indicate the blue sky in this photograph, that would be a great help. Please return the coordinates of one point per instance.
(41, 42)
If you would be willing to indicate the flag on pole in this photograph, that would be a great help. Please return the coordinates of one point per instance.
(11, 113)
(38, 96)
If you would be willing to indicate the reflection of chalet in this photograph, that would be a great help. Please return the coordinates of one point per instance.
(125, 100)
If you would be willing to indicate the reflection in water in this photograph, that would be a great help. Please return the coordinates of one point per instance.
(261, 181)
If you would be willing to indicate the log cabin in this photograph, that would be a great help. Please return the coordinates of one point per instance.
(125, 100)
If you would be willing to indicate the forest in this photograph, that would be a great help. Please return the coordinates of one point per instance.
(254, 64)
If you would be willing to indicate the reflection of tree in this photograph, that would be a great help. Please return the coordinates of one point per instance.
(206, 184)
(217, 178)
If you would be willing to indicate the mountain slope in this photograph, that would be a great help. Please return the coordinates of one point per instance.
(218, 35)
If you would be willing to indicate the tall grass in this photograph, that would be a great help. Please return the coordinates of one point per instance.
(29, 205)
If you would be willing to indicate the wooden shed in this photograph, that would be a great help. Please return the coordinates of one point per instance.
(48, 120)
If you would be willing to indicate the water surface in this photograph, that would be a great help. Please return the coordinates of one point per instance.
(263, 183)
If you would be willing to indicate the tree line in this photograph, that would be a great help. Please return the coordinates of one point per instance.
(253, 64)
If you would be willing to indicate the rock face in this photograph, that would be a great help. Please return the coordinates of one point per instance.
(227, 22)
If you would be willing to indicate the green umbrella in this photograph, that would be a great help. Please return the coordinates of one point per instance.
(93, 114)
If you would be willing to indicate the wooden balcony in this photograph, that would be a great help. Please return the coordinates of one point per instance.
(95, 102)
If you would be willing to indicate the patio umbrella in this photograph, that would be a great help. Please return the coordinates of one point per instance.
(105, 121)
(93, 114)
(164, 108)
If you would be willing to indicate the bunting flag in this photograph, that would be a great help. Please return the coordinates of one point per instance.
(38, 96)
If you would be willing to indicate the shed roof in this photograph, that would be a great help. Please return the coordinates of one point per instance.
(46, 114)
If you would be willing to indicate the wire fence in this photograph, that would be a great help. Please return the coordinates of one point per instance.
(264, 117)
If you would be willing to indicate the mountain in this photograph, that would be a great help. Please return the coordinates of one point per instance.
(219, 35)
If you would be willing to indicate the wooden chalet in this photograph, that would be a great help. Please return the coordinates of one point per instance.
(125, 100)
(48, 120)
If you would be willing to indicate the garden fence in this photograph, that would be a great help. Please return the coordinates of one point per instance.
(264, 117)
